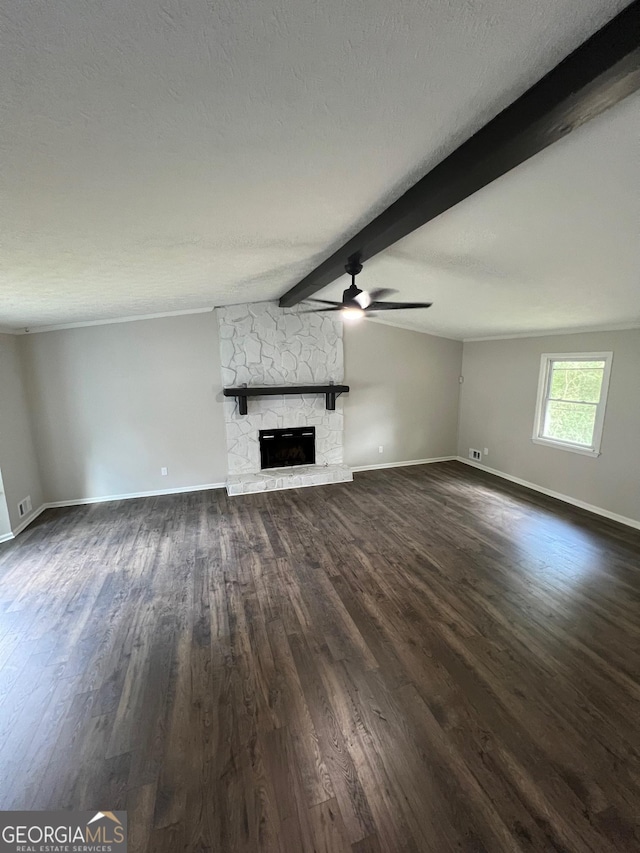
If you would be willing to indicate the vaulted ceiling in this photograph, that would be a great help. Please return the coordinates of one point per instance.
(553, 245)
(164, 157)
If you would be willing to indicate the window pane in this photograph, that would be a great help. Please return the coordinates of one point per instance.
(576, 380)
(572, 422)
(577, 365)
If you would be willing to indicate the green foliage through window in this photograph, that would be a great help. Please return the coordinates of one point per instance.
(573, 395)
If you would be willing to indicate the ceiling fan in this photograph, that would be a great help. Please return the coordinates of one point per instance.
(358, 303)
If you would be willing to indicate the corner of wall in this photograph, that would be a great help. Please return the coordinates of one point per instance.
(18, 458)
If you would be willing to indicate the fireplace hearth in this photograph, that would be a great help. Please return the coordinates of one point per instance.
(285, 448)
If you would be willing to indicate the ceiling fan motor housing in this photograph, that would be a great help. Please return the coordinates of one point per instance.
(349, 297)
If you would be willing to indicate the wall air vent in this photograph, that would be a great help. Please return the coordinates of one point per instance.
(25, 506)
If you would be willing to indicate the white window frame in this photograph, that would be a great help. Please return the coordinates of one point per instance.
(544, 381)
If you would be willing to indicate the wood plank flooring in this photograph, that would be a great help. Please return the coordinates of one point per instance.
(428, 659)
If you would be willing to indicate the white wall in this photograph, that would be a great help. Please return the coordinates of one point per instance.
(110, 405)
(18, 462)
(113, 404)
(497, 411)
(404, 394)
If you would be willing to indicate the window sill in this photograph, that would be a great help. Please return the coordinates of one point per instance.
(561, 445)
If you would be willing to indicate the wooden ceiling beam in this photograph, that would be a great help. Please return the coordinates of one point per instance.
(598, 74)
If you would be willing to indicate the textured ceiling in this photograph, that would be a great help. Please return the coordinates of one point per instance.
(167, 156)
(554, 244)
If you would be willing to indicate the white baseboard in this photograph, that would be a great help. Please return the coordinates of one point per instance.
(597, 510)
(129, 496)
(183, 490)
(605, 513)
(357, 468)
(27, 521)
(104, 499)
(24, 523)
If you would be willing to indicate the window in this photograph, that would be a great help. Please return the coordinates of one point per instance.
(572, 395)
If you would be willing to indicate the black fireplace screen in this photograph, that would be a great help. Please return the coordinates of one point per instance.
(281, 448)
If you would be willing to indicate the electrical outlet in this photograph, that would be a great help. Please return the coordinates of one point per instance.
(25, 506)
(475, 454)
(164, 471)
(486, 451)
(380, 449)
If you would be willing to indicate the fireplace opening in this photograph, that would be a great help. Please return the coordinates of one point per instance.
(282, 448)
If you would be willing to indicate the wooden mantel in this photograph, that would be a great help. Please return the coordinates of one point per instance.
(241, 394)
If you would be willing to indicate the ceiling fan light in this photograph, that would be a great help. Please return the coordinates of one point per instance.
(352, 314)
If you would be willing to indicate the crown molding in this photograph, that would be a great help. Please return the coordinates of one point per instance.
(33, 330)
(612, 327)
(550, 333)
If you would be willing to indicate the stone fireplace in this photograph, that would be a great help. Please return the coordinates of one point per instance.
(261, 345)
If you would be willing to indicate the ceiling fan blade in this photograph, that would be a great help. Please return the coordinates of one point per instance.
(398, 306)
(323, 301)
(381, 293)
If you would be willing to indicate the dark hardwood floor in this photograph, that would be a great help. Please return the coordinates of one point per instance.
(428, 659)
